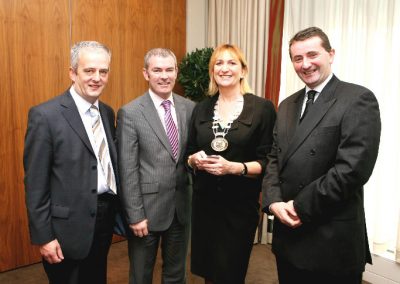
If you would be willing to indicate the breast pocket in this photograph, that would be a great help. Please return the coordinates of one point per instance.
(327, 136)
(328, 130)
(324, 144)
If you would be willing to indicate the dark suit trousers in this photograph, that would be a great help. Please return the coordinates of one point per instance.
(289, 274)
(93, 268)
(143, 253)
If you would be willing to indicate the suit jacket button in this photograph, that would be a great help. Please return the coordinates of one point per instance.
(312, 152)
(279, 150)
(301, 186)
(94, 190)
(94, 167)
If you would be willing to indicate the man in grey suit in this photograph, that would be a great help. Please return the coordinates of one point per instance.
(70, 172)
(326, 141)
(152, 132)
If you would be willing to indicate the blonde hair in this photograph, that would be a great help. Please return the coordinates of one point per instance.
(236, 52)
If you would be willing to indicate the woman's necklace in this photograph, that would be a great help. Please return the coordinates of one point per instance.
(220, 128)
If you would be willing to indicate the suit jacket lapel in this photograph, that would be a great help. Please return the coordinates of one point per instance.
(71, 114)
(321, 106)
(246, 116)
(207, 113)
(150, 113)
(109, 134)
(293, 115)
(182, 126)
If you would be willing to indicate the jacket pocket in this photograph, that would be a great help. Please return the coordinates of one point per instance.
(326, 130)
(59, 211)
(148, 188)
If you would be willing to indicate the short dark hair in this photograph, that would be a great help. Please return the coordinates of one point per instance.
(309, 33)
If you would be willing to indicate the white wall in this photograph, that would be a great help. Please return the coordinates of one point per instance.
(196, 24)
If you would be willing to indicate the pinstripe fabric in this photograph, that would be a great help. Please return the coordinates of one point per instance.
(153, 184)
(172, 131)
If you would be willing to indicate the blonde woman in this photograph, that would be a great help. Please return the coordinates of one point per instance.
(229, 139)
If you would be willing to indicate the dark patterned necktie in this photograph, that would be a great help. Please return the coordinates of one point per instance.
(309, 102)
(172, 131)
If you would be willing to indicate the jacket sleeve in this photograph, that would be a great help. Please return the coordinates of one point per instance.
(38, 157)
(271, 191)
(266, 138)
(128, 164)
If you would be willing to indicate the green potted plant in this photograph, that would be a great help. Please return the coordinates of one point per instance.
(193, 73)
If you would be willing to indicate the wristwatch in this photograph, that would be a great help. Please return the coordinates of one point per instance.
(244, 171)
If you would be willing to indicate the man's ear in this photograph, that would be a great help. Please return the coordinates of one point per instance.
(146, 74)
(72, 74)
(331, 55)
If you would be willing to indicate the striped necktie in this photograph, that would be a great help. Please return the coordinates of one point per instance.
(103, 153)
(172, 131)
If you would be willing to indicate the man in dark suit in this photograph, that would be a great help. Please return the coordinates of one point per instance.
(326, 141)
(152, 132)
(70, 173)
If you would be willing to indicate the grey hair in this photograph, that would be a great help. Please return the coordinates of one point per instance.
(76, 49)
(161, 52)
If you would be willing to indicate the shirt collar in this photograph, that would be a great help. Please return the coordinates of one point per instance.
(82, 104)
(157, 100)
(321, 86)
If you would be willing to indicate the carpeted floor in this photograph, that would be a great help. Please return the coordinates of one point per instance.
(262, 269)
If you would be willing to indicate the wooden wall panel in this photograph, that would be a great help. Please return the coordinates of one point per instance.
(33, 41)
(35, 38)
(130, 29)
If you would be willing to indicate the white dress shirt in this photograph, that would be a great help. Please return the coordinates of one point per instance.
(87, 119)
(318, 89)
(161, 111)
